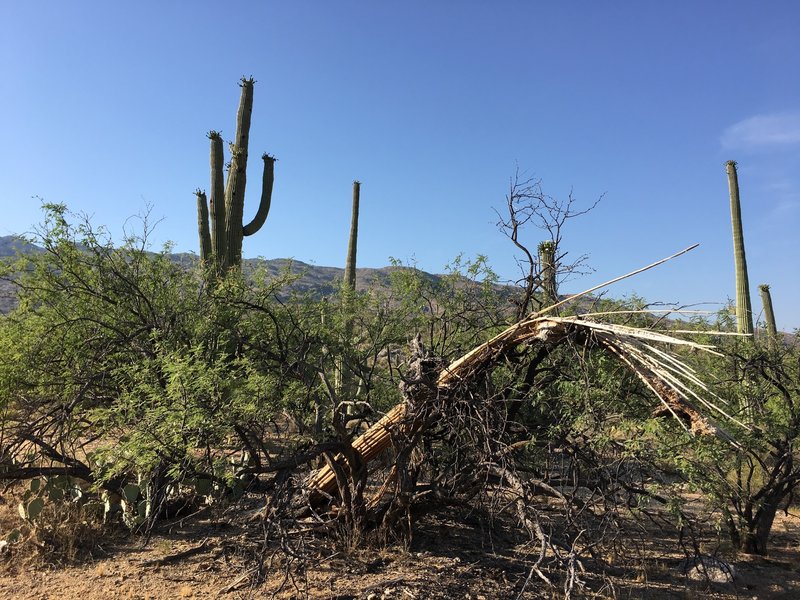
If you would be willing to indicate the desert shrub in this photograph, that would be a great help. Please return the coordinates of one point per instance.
(750, 481)
(121, 365)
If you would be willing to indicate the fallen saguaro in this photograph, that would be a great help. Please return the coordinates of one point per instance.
(671, 381)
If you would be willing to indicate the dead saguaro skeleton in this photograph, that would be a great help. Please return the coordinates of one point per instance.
(671, 381)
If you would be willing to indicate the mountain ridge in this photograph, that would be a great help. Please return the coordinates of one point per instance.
(314, 279)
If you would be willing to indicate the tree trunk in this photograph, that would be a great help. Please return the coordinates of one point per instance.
(755, 537)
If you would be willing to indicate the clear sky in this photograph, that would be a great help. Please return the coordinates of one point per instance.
(105, 106)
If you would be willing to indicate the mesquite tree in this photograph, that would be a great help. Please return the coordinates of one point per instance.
(221, 245)
(526, 205)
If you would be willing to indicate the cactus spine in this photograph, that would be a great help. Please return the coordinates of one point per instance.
(547, 271)
(744, 312)
(769, 314)
(222, 244)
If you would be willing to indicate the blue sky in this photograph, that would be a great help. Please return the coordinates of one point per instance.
(432, 105)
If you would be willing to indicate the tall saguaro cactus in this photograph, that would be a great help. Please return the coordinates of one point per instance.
(221, 245)
(769, 314)
(744, 312)
(352, 244)
(345, 377)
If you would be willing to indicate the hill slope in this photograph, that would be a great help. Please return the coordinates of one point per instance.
(316, 280)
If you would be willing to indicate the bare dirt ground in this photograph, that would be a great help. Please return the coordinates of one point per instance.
(453, 554)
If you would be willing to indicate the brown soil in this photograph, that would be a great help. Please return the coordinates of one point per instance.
(452, 555)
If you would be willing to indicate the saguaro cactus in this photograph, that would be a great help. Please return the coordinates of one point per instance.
(744, 312)
(769, 314)
(547, 271)
(222, 244)
(345, 377)
(352, 244)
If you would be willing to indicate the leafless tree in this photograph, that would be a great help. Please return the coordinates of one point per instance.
(527, 204)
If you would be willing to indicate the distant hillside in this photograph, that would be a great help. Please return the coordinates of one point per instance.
(11, 244)
(317, 280)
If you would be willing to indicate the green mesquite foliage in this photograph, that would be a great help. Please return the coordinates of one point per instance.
(744, 312)
(221, 245)
(769, 314)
